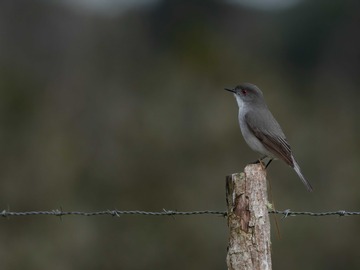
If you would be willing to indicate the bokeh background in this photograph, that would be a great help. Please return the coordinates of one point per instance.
(120, 105)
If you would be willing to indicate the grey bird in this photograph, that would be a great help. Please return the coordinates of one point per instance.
(260, 129)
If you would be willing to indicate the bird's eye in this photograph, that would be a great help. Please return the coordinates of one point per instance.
(243, 91)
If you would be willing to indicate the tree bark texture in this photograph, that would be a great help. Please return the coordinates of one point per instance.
(248, 220)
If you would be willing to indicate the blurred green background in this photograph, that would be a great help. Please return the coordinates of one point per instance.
(120, 105)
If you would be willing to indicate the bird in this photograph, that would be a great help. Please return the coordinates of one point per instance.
(260, 129)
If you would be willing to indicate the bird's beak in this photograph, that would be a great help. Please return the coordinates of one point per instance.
(230, 90)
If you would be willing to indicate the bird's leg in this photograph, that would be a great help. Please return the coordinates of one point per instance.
(268, 163)
(260, 160)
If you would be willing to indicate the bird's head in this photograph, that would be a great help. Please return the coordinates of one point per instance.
(247, 93)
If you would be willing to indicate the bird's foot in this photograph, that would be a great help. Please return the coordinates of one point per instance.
(261, 161)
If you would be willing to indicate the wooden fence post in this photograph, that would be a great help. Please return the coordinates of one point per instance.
(248, 220)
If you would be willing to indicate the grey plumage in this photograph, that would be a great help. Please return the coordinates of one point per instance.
(260, 129)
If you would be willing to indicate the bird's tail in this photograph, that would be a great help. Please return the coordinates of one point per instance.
(298, 171)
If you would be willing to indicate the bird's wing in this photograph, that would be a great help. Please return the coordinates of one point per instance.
(275, 143)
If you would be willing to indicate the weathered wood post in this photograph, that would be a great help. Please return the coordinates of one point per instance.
(248, 220)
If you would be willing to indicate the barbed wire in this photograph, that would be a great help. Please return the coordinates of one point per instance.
(288, 213)
(118, 213)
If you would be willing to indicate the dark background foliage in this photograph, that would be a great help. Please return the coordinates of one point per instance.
(118, 105)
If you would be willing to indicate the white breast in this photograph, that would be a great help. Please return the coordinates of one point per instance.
(249, 137)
